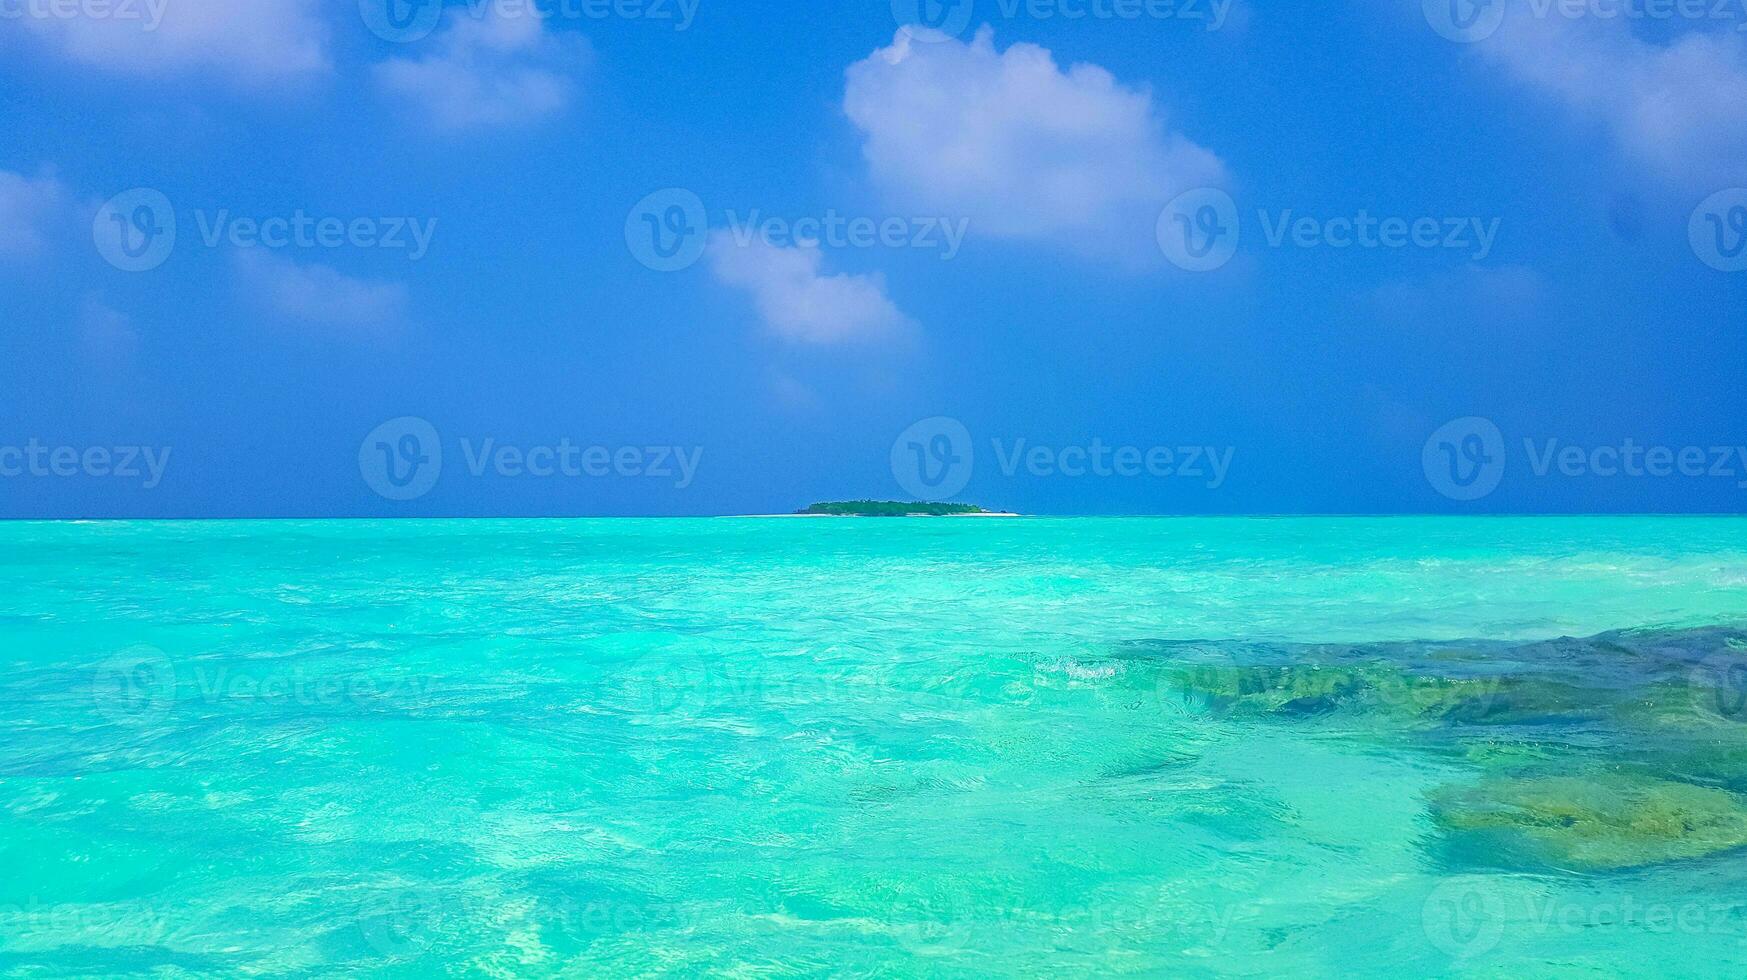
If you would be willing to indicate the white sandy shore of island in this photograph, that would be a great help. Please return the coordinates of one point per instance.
(863, 517)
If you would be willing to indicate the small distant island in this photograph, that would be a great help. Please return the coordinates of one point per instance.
(895, 508)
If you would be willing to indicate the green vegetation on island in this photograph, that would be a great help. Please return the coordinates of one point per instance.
(889, 508)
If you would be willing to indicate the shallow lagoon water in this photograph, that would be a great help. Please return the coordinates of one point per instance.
(1183, 747)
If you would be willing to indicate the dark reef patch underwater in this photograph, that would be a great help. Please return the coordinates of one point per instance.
(1614, 752)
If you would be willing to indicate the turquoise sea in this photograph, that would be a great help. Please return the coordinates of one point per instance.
(1493, 747)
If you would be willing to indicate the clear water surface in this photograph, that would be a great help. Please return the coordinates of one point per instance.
(857, 747)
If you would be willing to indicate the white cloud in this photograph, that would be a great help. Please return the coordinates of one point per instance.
(492, 69)
(26, 206)
(318, 296)
(1019, 146)
(255, 41)
(1677, 109)
(799, 304)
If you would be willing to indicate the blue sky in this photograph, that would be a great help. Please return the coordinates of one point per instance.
(984, 227)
